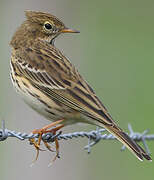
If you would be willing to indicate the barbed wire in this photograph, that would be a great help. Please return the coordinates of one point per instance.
(93, 136)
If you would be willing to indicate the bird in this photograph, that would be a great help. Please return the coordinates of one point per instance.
(51, 85)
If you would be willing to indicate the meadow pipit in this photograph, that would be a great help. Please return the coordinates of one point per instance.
(52, 86)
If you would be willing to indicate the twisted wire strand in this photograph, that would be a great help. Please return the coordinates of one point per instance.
(93, 136)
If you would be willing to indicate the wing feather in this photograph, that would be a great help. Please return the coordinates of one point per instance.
(48, 70)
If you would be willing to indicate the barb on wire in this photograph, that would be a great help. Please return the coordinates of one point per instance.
(93, 136)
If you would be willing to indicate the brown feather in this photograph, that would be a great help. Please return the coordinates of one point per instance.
(128, 142)
(43, 73)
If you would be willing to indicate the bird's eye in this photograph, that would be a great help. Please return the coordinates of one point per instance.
(47, 26)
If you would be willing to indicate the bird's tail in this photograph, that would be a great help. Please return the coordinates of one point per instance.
(128, 142)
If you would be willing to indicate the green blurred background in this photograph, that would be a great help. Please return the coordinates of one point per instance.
(114, 52)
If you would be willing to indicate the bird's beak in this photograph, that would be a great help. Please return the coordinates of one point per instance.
(68, 30)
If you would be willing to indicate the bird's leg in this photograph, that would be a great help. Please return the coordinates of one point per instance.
(42, 131)
(53, 131)
(56, 143)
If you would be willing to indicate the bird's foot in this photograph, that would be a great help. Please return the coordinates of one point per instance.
(44, 130)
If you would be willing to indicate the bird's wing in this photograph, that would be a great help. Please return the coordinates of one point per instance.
(48, 70)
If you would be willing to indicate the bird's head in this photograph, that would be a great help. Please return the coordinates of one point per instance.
(42, 25)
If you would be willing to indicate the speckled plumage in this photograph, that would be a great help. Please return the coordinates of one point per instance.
(51, 85)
